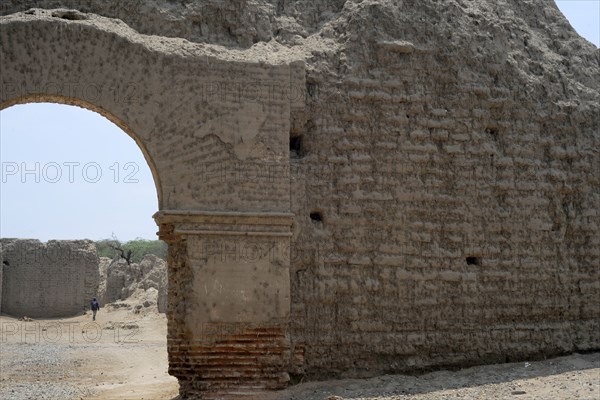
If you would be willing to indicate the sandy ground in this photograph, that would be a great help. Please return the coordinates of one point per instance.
(123, 356)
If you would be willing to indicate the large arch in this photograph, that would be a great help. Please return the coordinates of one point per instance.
(204, 116)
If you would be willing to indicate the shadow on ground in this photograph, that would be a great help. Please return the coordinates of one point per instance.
(499, 380)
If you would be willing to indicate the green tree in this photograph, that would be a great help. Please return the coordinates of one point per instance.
(140, 247)
(106, 247)
(133, 250)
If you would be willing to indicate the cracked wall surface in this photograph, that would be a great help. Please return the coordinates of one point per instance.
(447, 151)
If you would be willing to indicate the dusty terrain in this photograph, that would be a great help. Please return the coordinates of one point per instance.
(572, 377)
(123, 356)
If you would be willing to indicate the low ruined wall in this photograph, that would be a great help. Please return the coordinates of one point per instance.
(51, 279)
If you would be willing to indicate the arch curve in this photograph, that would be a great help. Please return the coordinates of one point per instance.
(71, 101)
(213, 125)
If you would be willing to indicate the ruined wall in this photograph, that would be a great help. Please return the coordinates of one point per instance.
(452, 149)
(53, 279)
(444, 172)
(120, 280)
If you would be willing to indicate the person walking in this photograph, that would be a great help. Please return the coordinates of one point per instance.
(95, 308)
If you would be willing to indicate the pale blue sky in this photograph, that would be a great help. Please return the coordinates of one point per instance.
(93, 199)
(583, 16)
(52, 139)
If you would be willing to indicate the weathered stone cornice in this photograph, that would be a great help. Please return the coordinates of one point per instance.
(217, 223)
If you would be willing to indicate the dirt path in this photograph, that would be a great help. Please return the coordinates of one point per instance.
(124, 356)
(119, 356)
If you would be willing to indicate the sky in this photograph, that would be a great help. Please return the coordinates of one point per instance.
(584, 16)
(69, 173)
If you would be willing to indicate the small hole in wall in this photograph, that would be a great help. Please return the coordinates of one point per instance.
(70, 15)
(296, 378)
(316, 216)
(296, 149)
(493, 132)
(5, 263)
(472, 261)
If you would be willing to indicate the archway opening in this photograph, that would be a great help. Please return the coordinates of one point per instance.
(84, 190)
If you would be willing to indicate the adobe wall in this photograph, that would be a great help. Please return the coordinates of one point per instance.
(44, 280)
(453, 152)
(446, 151)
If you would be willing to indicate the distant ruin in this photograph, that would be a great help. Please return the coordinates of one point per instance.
(347, 188)
(119, 280)
(54, 279)
(59, 278)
